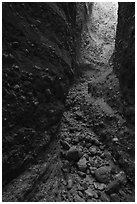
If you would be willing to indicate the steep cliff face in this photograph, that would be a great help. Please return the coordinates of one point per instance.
(38, 65)
(52, 144)
(42, 44)
(124, 60)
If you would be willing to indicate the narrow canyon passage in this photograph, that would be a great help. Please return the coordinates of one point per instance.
(91, 156)
(99, 37)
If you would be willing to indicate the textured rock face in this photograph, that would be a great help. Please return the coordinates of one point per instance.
(125, 55)
(38, 65)
(83, 12)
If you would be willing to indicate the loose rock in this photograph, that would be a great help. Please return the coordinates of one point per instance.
(70, 182)
(90, 193)
(121, 177)
(80, 194)
(65, 145)
(99, 186)
(82, 164)
(73, 154)
(81, 174)
(93, 150)
(113, 187)
(104, 197)
(96, 142)
(102, 174)
(77, 198)
(114, 198)
(85, 185)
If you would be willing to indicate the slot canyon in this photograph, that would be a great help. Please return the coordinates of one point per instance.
(68, 102)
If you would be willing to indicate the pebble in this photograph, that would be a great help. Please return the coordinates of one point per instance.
(104, 197)
(90, 193)
(121, 177)
(82, 164)
(77, 198)
(107, 155)
(81, 174)
(80, 188)
(88, 172)
(115, 140)
(89, 180)
(92, 172)
(70, 182)
(93, 151)
(99, 186)
(16, 86)
(86, 155)
(102, 155)
(87, 139)
(80, 193)
(88, 145)
(114, 198)
(75, 141)
(102, 147)
(96, 142)
(84, 185)
(65, 145)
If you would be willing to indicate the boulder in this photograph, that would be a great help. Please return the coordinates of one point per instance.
(73, 154)
(113, 187)
(102, 174)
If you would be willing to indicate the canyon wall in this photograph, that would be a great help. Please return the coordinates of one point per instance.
(124, 60)
(38, 66)
(41, 49)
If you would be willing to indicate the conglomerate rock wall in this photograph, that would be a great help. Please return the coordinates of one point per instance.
(124, 60)
(41, 43)
(38, 66)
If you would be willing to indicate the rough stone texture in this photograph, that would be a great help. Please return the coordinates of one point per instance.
(102, 174)
(124, 60)
(82, 164)
(73, 154)
(38, 66)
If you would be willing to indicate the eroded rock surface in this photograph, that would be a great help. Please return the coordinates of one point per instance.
(37, 70)
(88, 160)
